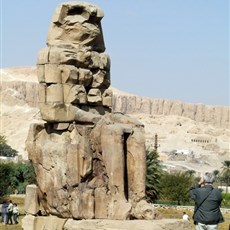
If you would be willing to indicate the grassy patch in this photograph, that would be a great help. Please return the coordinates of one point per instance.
(18, 199)
(173, 213)
(167, 212)
(13, 226)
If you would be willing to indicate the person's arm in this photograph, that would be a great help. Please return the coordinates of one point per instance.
(193, 188)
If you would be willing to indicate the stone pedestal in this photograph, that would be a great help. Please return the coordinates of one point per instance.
(54, 223)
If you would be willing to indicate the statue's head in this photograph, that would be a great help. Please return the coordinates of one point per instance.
(79, 24)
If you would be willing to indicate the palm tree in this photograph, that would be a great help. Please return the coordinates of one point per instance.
(216, 172)
(153, 174)
(191, 172)
(226, 173)
(2, 140)
(217, 175)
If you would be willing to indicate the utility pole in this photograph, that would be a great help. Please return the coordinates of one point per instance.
(156, 142)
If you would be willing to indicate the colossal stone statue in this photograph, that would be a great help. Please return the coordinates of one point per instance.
(89, 162)
(74, 71)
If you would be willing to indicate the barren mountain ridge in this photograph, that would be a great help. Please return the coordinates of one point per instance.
(188, 136)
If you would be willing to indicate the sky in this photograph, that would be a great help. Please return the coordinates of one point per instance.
(165, 49)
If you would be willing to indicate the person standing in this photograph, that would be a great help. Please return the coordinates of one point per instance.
(4, 212)
(10, 213)
(207, 214)
(15, 213)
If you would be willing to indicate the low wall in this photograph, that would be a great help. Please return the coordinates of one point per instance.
(30, 222)
(185, 208)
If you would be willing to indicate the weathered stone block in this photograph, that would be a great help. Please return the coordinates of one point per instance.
(94, 96)
(28, 222)
(107, 101)
(112, 143)
(100, 80)
(82, 203)
(169, 224)
(31, 199)
(136, 170)
(96, 109)
(55, 112)
(41, 73)
(69, 74)
(107, 98)
(55, 55)
(101, 203)
(42, 222)
(74, 94)
(52, 73)
(105, 60)
(41, 93)
(54, 94)
(119, 208)
(43, 56)
(144, 211)
(99, 60)
(85, 77)
(82, 58)
(79, 16)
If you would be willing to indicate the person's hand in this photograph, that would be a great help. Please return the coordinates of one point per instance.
(201, 181)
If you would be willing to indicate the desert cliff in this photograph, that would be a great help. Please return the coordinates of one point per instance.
(202, 130)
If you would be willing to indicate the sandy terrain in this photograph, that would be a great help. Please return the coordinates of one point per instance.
(210, 148)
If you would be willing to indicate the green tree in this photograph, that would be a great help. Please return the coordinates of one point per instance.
(15, 177)
(175, 187)
(153, 174)
(226, 173)
(5, 149)
(2, 140)
(216, 172)
(191, 172)
(24, 174)
(6, 174)
(217, 176)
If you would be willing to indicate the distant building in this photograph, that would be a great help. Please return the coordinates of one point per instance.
(184, 152)
(202, 139)
(8, 159)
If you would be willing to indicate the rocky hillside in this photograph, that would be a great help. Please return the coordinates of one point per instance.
(216, 115)
(199, 133)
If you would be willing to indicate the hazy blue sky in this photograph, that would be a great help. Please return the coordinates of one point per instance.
(169, 49)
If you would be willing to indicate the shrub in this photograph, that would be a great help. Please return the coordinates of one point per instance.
(15, 176)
